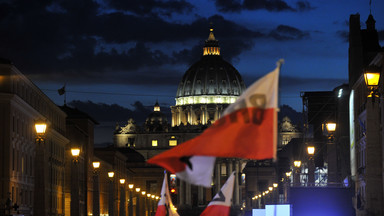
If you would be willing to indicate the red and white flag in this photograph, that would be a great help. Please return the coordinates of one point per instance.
(222, 201)
(165, 206)
(248, 129)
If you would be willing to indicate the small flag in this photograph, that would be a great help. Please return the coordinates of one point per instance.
(61, 91)
(248, 129)
(222, 201)
(165, 206)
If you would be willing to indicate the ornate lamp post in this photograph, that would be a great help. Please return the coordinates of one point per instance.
(96, 195)
(137, 201)
(153, 203)
(75, 202)
(296, 175)
(122, 197)
(286, 184)
(372, 78)
(311, 165)
(39, 193)
(130, 204)
(144, 204)
(149, 203)
(275, 193)
(111, 194)
(331, 153)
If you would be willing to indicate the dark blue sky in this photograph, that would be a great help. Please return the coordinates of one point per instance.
(118, 51)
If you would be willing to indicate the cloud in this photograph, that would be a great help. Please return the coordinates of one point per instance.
(62, 41)
(236, 6)
(146, 7)
(303, 6)
(344, 35)
(106, 113)
(284, 32)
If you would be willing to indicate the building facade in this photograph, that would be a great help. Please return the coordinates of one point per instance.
(206, 89)
(21, 104)
(366, 118)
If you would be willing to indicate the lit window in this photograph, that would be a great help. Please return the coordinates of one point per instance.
(223, 169)
(154, 142)
(172, 142)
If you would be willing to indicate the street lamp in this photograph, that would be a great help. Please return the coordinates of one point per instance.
(144, 205)
(137, 201)
(75, 205)
(311, 165)
(153, 203)
(130, 204)
(110, 198)
(331, 153)
(311, 150)
(96, 196)
(39, 193)
(149, 203)
(372, 78)
(331, 126)
(122, 197)
(296, 175)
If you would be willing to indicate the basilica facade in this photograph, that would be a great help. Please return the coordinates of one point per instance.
(206, 89)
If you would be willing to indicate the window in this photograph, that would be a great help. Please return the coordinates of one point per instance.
(154, 142)
(172, 142)
(223, 169)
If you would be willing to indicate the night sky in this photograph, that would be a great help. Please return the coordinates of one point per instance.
(122, 51)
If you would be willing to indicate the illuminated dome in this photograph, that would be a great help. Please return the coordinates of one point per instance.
(211, 80)
(156, 121)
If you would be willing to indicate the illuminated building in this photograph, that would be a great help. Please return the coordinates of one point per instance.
(205, 90)
(366, 117)
(21, 104)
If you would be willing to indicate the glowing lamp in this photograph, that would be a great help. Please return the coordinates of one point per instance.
(40, 127)
(149, 195)
(288, 174)
(122, 181)
(96, 164)
(270, 188)
(130, 186)
(331, 127)
(297, 163)
(311, 150)
(275, 185)
(111, 174)
(137, 190)
(371, 78)
(153, 196)
(143, 193)
(75, 152)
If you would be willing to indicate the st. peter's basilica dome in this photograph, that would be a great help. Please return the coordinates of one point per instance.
(211, 80)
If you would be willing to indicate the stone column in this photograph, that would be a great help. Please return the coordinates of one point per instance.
(200, 195)
(181, 193)
(218, 175)
(216, 113)
(188, 195)
(236, 196)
